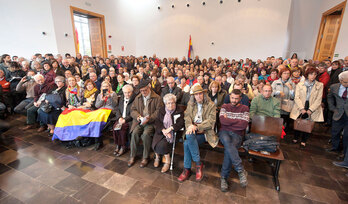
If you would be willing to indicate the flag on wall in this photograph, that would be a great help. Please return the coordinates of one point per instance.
(80, 123)
(190, 50)
(77, 41)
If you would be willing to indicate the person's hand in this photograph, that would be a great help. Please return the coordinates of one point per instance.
(146, 120)
(281, 94)
(71, 107)
(289, 85)
(46, 101)
(303, 111)
(121, 121)
(309, 113)
(23, 79)
(139, 118)
(225, 115)
(36, 104)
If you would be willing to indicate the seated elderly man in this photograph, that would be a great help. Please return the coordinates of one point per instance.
(123, 119)
(265, 104)
(26, 84)
(172, 88)
(144, 112)
(234, 119)
(200, 117)
(40, 88)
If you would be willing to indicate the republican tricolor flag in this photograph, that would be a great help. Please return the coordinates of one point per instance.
(190, 50)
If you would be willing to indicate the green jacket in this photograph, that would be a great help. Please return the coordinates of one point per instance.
(266, 107)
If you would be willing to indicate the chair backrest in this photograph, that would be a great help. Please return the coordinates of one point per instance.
(268, 126)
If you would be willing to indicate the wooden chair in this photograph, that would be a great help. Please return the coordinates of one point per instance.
(268, 126)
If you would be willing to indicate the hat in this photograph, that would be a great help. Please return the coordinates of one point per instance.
(197, 88)
(143, 83)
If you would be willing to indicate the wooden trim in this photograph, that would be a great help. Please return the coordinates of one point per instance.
(321, 28)
(89, 13)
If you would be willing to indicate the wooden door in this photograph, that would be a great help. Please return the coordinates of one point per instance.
(329, 37)
(96, 36)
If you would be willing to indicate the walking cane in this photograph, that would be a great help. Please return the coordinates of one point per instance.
(173, 151)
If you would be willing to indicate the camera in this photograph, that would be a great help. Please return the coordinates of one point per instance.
(104, 92)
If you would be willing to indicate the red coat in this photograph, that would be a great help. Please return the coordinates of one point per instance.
(324, 78)
(188, 81)
(5, 85)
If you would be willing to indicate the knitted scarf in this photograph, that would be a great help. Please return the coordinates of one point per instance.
(88, 94)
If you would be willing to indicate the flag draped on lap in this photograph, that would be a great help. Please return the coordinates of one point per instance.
(80, 122)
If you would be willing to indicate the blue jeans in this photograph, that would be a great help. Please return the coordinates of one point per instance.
(231, 142)
(23, 106)
(336, 129)
(191, 149)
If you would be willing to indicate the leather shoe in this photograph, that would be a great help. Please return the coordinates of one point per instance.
(131, 162)
(28, 127)
(332, 150)
(41, 129)
(143, 163)
(184, 175)
(199, 172)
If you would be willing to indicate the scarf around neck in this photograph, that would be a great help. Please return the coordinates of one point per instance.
(167, 122)
(309, 87)
(88, 94)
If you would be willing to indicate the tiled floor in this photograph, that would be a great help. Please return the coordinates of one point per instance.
(34, 169)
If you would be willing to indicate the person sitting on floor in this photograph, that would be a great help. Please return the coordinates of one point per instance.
(200, 118)
(170, 120)
(144, 113)
(234, 119)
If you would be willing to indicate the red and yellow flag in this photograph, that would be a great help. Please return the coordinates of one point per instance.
(190, 50)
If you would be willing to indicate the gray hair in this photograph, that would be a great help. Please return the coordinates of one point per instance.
(60, 78)
(169, 97)
(127, 86)
(37, 76)
(343, 75)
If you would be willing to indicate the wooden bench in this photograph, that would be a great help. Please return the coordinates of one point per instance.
(268, 126)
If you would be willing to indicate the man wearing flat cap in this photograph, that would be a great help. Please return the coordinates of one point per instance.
(144, 112)
(200, 117)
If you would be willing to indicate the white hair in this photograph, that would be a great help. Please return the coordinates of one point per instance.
(169, 97)
(343, 75)
(127, 86)
(36, 77)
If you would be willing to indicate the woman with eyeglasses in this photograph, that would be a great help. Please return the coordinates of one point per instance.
(55, 102)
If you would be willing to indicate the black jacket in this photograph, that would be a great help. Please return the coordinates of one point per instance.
(119, 109)
(177, 125)
(176, 91)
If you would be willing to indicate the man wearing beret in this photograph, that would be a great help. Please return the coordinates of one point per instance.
(144, 112)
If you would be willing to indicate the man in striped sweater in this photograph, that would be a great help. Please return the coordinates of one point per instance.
(234, 119)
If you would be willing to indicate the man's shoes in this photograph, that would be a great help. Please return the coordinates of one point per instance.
(144, 163)
(41, 129)
(199, 172)
(28, 127)
(224, 185)
(341, 164)
(131, 161)
(243, 178)
(332, 150)
(184, 175)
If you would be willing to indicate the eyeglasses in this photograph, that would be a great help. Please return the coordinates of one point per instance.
(59, 81)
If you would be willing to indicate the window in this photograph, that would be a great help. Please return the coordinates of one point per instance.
(82, 34)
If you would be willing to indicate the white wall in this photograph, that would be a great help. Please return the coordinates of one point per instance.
(22, 23)
(114, 24)
(252, 28)
(304, 23)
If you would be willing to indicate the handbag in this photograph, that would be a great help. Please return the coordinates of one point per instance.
(287, 105)
(46, 107)
(304, 125)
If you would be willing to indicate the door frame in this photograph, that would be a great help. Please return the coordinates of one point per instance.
(89, 13)
(321, 28)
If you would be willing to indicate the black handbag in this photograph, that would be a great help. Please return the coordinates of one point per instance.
(46, 107)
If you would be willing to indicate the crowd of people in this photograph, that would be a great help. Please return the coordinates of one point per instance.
(153, 100)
